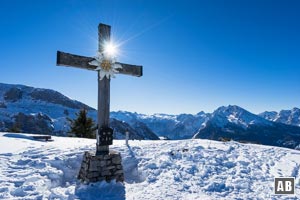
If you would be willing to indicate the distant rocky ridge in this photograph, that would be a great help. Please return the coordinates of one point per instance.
(225, 123)
(46, 111)
(290, 117)
(183, 126)
(233, 122)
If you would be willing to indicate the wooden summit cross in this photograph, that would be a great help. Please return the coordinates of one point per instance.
(104, 133)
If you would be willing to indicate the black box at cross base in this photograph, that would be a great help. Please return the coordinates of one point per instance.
(105, 136)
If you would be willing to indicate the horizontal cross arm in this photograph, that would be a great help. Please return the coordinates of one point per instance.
(72, 60)
(133, 70)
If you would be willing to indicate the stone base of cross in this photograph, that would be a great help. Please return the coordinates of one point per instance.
(101, 167)
(106, 67)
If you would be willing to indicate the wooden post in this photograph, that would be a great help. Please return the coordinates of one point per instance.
(103, 90)
(127, 136)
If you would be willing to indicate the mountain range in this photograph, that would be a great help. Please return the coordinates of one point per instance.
(45, 111)
(37, 110)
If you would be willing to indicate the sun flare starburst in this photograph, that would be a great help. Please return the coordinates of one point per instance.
(111, 49)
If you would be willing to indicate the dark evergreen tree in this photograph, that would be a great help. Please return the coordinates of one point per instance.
(15, 128)
(83, 126)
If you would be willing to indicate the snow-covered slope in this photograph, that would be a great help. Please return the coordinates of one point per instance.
(25, 99)
(290, 117)
(184, 169)
(20, 104)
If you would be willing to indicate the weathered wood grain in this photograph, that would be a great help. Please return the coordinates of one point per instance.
(103, 90)
(133, 70)
(72, 60)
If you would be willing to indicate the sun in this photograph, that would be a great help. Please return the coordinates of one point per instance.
(111, 49)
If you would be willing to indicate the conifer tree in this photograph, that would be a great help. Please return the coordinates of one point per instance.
(83, 126)
(15, 128)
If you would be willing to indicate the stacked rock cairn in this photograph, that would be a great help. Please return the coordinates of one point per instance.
(101, 167)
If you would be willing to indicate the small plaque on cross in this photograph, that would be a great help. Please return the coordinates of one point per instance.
(105, 136)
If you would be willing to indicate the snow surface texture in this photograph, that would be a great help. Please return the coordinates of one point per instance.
(186, 169)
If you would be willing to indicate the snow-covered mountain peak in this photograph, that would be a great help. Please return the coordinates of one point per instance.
(128, 117)
(46, 111)
(296, 112)
(269, 115)
(21, 94)
(161, 116)
(290, 117)
(237, 115)
(231, 110)
(201, 113)
(170, 126)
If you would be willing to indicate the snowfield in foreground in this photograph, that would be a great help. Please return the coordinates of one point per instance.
(186, 169)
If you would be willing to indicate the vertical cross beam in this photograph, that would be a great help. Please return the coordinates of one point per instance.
(103, 91)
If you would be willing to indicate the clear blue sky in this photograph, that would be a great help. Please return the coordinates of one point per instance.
(197, 55)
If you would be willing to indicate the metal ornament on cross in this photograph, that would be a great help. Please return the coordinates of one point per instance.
(104, 133)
